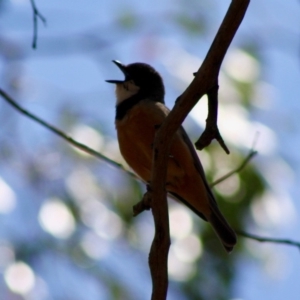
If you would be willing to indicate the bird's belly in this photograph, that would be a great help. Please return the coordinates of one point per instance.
(137, 152)
(137, 161)
(136, 132)
(136, 143)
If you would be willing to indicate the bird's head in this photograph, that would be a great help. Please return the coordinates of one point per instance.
(139, 78)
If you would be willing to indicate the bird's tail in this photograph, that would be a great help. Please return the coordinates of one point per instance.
(222, 228)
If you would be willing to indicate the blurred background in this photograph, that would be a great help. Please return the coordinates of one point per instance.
(66, 225)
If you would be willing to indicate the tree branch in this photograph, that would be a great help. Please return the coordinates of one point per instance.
(36, 15)
(211, 129)
(211, 67)
(206, 78)
(251, 154)
(268, 240)
(144, 204)
(63, 135)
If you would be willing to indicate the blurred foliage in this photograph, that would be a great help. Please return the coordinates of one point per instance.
(100, 199)
(128, 20)
(193, 24)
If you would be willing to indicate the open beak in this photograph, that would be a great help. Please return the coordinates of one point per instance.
(123, 69)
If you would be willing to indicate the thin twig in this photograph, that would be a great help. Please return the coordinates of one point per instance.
(268, 240)
(251, 154)
(144, 204)
(211, 130)
(63, 135)
(36, 15)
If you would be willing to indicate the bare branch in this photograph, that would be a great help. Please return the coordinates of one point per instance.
(205, 80)
(268, 240)
(211, 129)
(211, 67)
(144, 204)
(251, 154)
(64, 135)
(36, 15)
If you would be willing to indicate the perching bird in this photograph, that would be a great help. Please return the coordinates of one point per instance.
(140, 109)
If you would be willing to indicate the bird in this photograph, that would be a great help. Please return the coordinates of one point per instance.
(140, 110)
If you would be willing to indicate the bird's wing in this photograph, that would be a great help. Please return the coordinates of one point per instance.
(197, 163)
(184, 152)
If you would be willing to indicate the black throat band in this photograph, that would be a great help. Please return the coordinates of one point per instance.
(126, 105)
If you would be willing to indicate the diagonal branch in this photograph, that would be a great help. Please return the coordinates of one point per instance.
(206, 78)
(268, 240)
(251, 154)
(36, 15)
(212, 65)
(63, 135)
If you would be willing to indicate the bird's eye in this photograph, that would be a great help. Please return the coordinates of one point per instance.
(134, 83)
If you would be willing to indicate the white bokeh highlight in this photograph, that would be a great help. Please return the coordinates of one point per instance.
(20, 278)
(7, 198)
(56, 218)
